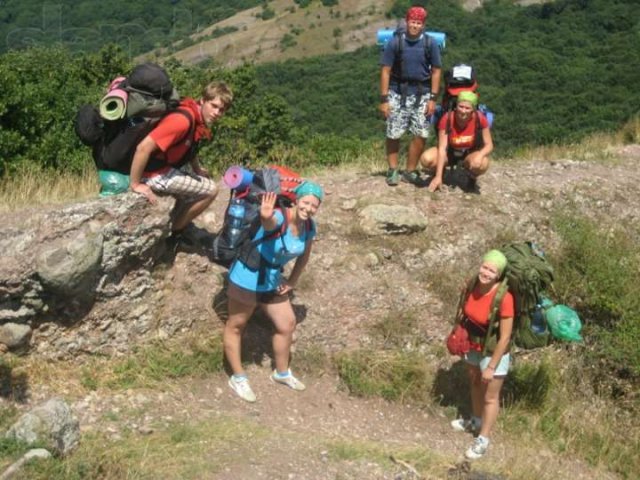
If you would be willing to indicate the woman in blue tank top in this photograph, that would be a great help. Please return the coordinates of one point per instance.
(266, 287)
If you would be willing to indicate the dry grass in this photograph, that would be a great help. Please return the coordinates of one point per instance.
(180, 451)
(35, 187)
(157, 363)
(259, 40)
(630, 132)
(596, 148)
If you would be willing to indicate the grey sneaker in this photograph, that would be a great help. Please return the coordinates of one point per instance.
(290, 381)
(478, 449)
(393, 177)
(242, 389)
(412, 177)
(465, 425)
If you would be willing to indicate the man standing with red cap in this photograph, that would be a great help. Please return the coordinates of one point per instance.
(409, 84)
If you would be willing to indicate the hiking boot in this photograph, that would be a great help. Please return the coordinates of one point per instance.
(242, 388)
(412, 177)
(180, 240)
(465, 425)
(289, 380)
(478, 449)
(393, 177)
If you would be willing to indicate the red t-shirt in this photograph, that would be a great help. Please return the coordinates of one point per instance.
(172, 135)
(478, 307)
(462, 139)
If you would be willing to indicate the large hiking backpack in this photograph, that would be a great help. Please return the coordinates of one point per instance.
(461, 77)
(384, 35)
(228, 246)
(132, 107)
(527, 276)
(397, 36)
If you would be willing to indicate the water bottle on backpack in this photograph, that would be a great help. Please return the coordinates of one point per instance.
(235, 214)
(537, 320)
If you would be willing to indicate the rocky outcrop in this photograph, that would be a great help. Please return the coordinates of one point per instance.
(59, 264)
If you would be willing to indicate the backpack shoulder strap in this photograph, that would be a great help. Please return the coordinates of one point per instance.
(477, 133)
(192, 124)
(450, 118)
(494, 312)
(465, 291)
(428, 41)
(494, 315)
(397, 69)
(277, 233)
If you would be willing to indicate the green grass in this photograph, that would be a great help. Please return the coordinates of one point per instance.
(529, 384)
(155, 363)
(398, 331)
(392, 375)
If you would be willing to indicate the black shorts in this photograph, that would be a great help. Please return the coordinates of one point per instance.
(249, 297)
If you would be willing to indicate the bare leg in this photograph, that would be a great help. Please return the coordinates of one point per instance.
(239, 314)
(415, 150)
(393, 147)
(491, 405)
(429, 159)
(476, 163)
(284, 319)
(477, 390)
(187, 214)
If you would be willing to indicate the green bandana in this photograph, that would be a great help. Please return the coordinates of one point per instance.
(468, 96)
(495, 258)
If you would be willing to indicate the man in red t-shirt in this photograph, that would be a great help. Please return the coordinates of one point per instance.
(165, 161)
(463, 135)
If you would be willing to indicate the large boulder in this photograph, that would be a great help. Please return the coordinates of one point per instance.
(51, 424)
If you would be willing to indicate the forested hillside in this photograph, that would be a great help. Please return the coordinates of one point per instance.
(552, 73)
(86, 25)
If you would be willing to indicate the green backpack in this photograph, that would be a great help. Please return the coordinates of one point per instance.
(528, 275)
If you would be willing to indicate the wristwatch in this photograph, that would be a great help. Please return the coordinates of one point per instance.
(384, 98)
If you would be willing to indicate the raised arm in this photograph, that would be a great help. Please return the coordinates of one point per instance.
(267, 212)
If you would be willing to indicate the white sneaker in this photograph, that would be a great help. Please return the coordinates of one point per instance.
(465, 425)
(478, 449)
(242, 389)
(290, 381)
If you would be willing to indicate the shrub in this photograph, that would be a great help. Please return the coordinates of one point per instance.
(599, 271)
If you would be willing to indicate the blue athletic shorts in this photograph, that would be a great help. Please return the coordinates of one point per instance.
(476, 359)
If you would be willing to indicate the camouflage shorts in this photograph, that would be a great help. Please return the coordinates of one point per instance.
(410, 117)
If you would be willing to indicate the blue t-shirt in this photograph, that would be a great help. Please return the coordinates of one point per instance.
(414, 62)
(276, 251)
